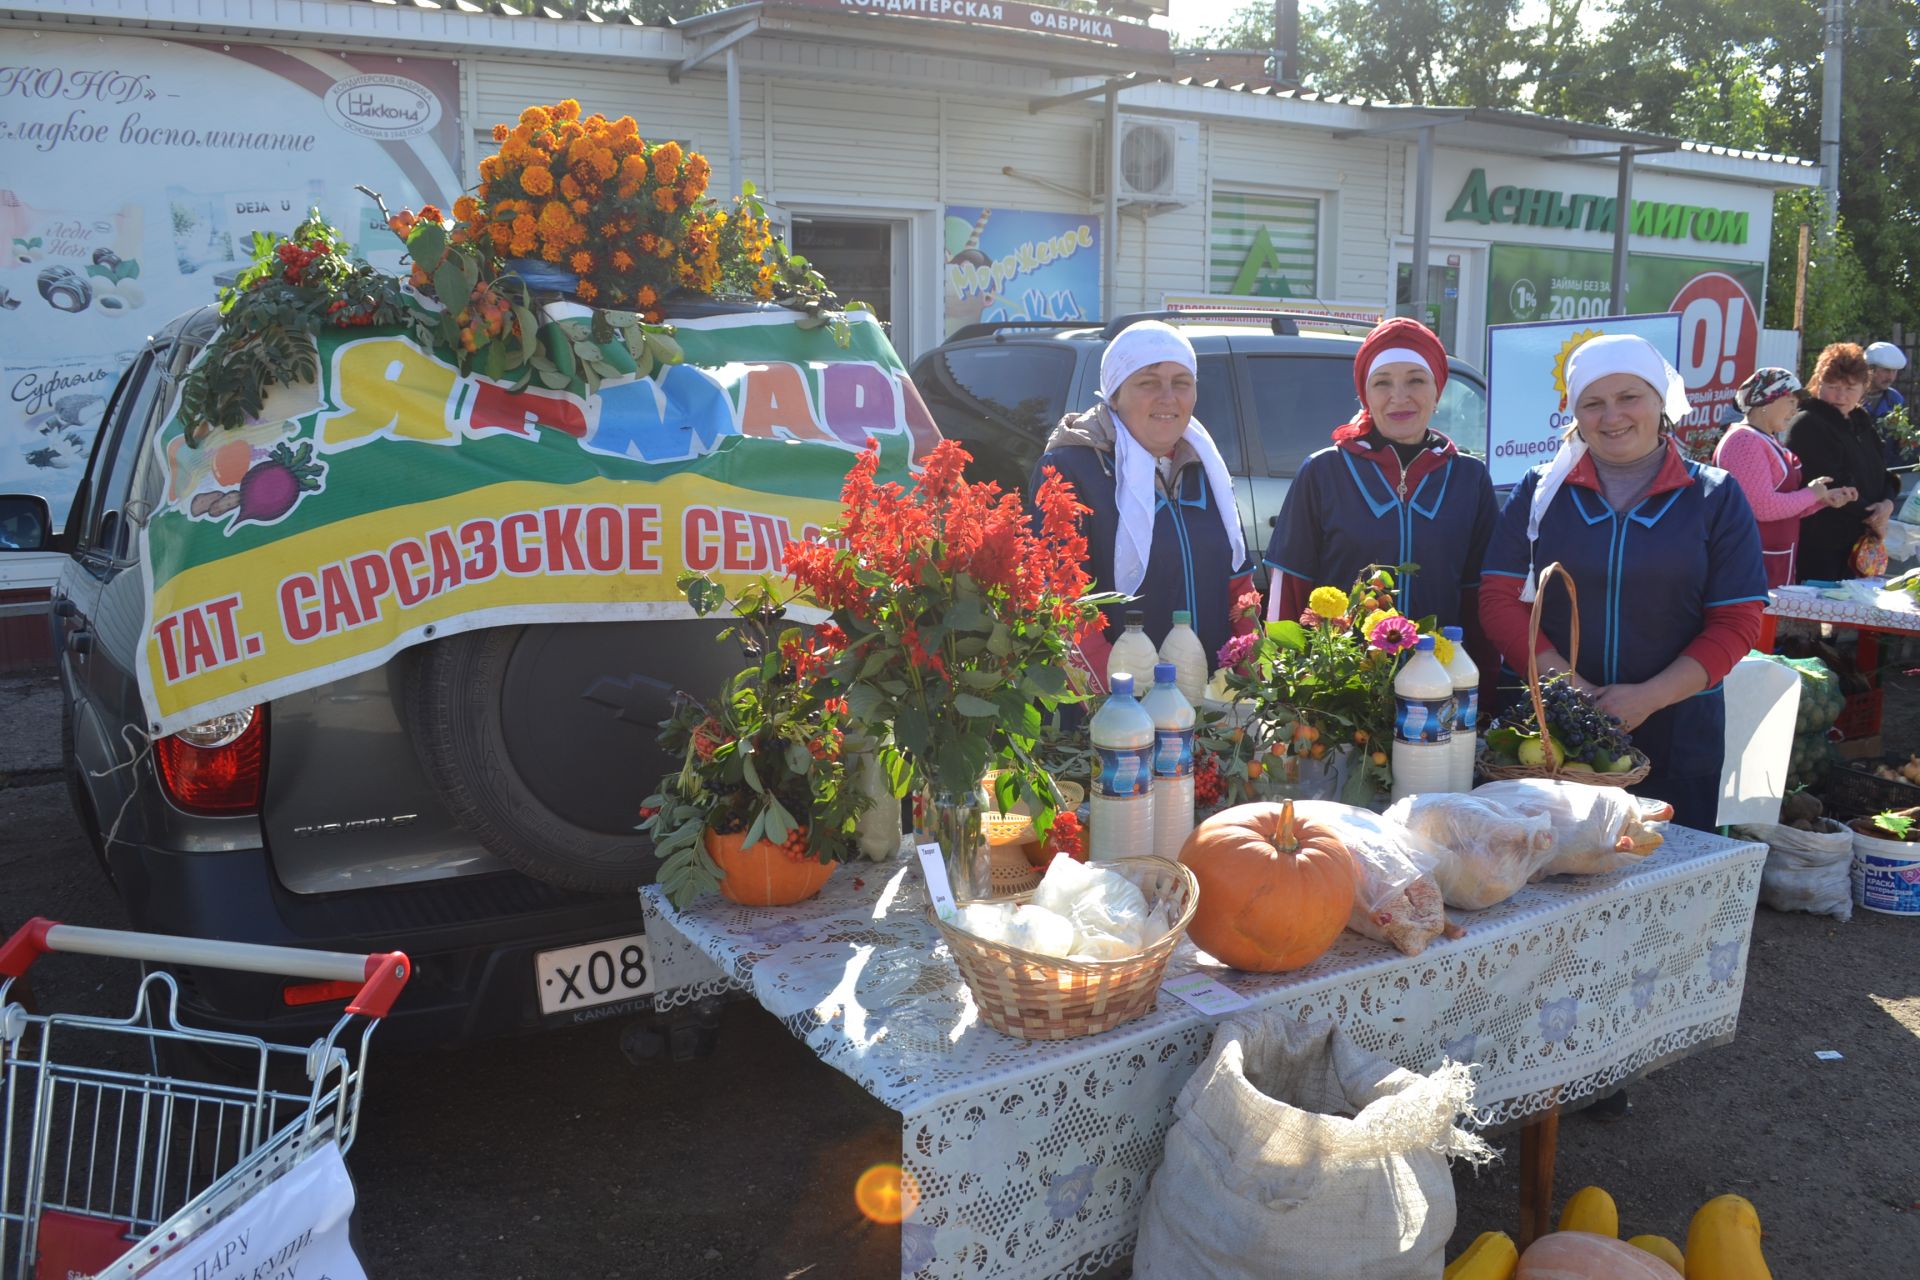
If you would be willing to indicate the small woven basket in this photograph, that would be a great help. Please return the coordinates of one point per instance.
(1504, 772)
(1035, 997)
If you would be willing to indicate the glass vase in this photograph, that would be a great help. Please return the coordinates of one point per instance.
(954, 822)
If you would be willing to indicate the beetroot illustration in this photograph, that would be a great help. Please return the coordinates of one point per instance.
(271, 488)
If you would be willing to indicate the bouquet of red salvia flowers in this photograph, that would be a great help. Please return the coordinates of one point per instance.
(959, 615)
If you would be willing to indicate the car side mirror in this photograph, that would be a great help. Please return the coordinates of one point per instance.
(25, 524)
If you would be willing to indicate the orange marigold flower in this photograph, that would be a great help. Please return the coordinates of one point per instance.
(634, 168)
(582, 261)
(580, 206)
(568, 187)
(604, 165)
(500, 133)
(537, 179)
(525, 227)
(586, 291)
(466, 209)
(567, 109)
(666, 161)
(664, 199)
(536, 117)
(521, 246)
(647, 241)
(646, 297)
(622, 260)
(431, 213)
(554, 218)
(489, 170)
(625, 127)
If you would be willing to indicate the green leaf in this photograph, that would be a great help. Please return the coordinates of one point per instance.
(799, 759)
(976, 679)
(779, 823)
(751, 773)
(1000, 642)
(1289, 634)
(428, 245)
(897, 768)
(1048, 680)
(975, 707)
(863, 701)
(757, 831)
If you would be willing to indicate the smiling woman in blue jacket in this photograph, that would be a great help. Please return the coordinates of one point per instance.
(1161, 522)
(1665, 555)
(1390, 490)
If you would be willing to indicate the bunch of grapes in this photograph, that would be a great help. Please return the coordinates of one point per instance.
(1589, 734)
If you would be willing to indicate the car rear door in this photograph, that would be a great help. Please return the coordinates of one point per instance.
(99, 613)
(1000, 400)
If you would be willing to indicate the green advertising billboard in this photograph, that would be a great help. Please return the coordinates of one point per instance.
(1527, 282)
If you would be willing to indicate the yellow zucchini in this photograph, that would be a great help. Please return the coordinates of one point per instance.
(1664, 1249)
(1723, 1241)
(1491, 1257)
(1591, 1210)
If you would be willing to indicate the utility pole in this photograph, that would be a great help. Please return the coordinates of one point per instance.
(1830, 106)
(1286, 43)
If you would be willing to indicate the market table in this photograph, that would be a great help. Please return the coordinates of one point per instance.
(1865, 609)
(1033, 1158)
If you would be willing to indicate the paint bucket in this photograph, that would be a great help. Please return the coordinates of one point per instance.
(1886, 875)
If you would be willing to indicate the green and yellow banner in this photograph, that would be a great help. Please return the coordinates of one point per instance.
(398, 500)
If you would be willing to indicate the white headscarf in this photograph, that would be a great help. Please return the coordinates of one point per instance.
(1591, 361)
(1149, 342)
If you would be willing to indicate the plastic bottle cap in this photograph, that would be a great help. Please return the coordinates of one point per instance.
(1455, 634)
(1136, 618)
(1120, 682)
(1165, 673)
(1426, 644)
(1181, 618)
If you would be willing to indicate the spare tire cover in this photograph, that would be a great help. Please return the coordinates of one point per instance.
(541, 739)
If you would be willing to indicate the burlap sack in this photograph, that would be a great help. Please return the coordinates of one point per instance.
(1297, 1155)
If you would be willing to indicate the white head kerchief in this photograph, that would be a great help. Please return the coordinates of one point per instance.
(1149, 342)
(1592, 360)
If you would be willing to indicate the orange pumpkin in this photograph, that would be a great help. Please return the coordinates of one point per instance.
(762, 875)
(1582, 1255)
(1275, 890)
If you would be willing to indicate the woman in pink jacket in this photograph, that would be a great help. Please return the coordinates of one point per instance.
(1768, 472)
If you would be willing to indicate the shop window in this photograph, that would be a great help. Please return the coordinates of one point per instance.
(1264, 246)
(1297, 402)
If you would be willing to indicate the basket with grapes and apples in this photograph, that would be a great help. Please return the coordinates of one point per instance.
(1559, 732)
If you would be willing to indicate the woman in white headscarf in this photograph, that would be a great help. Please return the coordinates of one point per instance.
(1666, 557)
(1161, 522)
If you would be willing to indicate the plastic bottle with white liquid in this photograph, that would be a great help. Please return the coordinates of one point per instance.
(1423, 712)
(1120, 817)
(1173, 718)
(1466, 709)
(1134, 654)
(1183, 649)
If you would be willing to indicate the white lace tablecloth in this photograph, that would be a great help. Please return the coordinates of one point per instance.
(1032, 1158)
(1865, 605)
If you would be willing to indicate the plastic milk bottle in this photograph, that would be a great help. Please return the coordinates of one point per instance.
(1423, 713)
(1121, 808)
(1134, 654)
(1173, 718)
(1189, 657)
(1466, 709)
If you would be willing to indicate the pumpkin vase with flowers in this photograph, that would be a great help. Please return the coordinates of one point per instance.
(763, 805)
(960, 615)
(1315, 695)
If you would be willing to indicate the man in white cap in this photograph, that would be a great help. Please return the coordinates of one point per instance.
(1884, 363)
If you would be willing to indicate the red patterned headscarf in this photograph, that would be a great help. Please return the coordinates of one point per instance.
(1404, 338)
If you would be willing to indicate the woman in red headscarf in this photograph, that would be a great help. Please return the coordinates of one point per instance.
(1390, 490)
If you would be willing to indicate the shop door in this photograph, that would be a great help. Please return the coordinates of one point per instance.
(864, 260)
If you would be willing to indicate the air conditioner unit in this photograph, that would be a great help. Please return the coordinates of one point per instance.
(1159, 161)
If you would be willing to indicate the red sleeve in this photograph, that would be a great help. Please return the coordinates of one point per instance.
(1730, 632)
(1505, 620)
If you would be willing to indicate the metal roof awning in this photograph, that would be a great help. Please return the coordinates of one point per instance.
(1067, 43)
(1512, 132)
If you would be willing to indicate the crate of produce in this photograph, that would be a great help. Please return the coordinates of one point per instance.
(1859, 715)
(1858, 788)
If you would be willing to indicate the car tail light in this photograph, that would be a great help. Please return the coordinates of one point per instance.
(218, 766)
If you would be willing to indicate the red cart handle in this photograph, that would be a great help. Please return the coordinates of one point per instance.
(382, 975)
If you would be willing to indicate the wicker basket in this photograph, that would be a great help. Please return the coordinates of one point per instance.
(1502, 772)
(1036, 997)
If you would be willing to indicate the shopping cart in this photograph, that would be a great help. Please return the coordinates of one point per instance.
(108, 1163)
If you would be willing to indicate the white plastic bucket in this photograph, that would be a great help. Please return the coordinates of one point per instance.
(1886, 875)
